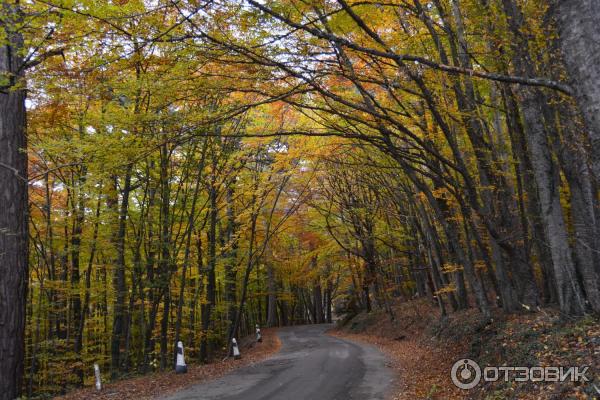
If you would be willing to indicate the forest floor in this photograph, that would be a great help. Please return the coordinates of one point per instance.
(422, 349)
(145, 387)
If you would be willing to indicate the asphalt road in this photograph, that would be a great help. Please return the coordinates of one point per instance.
(310, 366)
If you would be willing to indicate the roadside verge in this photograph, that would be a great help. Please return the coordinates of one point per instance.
(152, 385)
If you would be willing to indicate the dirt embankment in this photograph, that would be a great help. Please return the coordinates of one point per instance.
(423, 348)
(161, 383)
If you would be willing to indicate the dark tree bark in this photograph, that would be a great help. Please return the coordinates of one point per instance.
(579, 36)
(539, 237)
(88, 282)
(572, 157)
(165, 249)
(318, 302)
(14, 209)
(119, 283)
(570, 295)
(188, 244)
(328, 302)
(212, 263)
(272, 297)
(155, 292)
(78, 221)
(231, 266)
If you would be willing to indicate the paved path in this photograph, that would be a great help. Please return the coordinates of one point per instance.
(310, 366)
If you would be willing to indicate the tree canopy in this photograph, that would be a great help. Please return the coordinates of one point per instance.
(194, 168)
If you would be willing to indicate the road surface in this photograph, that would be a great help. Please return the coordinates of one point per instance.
(310, 366)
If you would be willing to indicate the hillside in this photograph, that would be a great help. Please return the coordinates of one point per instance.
(422, 349)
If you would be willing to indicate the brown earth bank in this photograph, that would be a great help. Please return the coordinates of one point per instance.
(149, 386)
(423, 347)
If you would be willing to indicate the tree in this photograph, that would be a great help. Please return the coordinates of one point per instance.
(14, 254)
(580, 43)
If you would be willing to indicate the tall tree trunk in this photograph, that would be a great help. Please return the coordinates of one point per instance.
(570, 295)
(444, 215)
(231, 266)
(119, 283)
(318, 302)
(212, 261)
(198, 289)
(13, 212)
(165, 249)
(572, 157)
(153, 283)
(435, 255)
(88, 282)
(525, 167)
(272, 296)
(328, 303)
(497, 203)
(579, 36)
(79, 216)
(186, 256)
(164, 329)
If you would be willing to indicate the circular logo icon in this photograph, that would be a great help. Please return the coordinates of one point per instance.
(466, 374)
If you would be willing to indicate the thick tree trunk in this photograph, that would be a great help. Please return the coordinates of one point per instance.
(579, 36)
(570, 295)
(13, 211)
(524, 166)
(572, 157)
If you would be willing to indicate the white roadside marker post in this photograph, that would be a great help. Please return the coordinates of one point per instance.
(180, 367)
(236, 350)
(98, 379)
(258, 335)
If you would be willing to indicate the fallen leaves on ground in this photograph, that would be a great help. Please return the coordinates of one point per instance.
(422, 366)
(543, 339)
(422, 347)
(423, 372)
(158, 384)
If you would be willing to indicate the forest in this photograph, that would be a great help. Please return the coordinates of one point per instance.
(187, 169)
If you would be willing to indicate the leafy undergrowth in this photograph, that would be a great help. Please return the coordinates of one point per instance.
(422, 348)
(162, 383)
(540, 339)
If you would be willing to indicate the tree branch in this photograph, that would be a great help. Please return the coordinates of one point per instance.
(543, 82)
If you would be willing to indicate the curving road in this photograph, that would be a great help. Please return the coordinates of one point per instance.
(310, 366)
